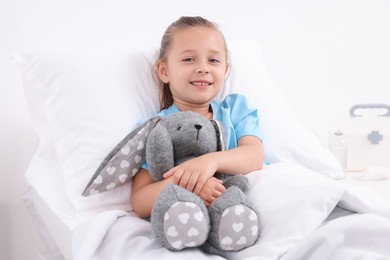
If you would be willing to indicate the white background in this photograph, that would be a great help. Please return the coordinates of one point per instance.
(325, 56)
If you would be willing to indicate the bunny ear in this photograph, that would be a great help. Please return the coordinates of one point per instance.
(221, 134)
(159, 152)
(123, 162)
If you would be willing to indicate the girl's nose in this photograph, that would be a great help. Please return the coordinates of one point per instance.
(201, 71)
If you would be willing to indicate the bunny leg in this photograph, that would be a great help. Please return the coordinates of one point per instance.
(237, 180)
(179, 219)
(234, 222)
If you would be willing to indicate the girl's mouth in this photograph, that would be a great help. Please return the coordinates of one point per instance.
(200, 83)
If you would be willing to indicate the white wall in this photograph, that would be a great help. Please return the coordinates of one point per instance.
(324, 55)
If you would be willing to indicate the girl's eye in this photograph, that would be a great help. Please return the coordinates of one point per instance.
(213, 60)
(188, 59)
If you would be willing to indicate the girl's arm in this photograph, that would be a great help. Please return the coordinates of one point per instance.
(193, 174)
(144, 192)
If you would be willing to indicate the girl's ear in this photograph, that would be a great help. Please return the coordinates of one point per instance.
(227, 71)
(227, 68)
(162, 71)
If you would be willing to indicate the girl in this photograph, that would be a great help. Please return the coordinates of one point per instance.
(192, 67)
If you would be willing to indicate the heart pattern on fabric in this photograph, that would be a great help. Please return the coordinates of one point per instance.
(199, 216)
(193, 232)
(190, 244)
(110, 170)
(177, 244)
(125, 150)
(227, 241)
(184, 218)
(238, 227)
(190, 204)
(123, 177)
(255, 230)
(110, 186)
(140, 145)
(122, 163)
(242, 241)
(98, 180)
(172, 232)
(125, 164)
(93, 191)
(185, 225)
(239, 210)
(137, 159)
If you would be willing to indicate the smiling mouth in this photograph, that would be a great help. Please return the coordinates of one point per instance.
(200, 83)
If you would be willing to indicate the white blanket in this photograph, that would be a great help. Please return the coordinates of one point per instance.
(303, 216)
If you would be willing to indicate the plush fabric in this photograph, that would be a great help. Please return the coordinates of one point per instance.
(83, 104)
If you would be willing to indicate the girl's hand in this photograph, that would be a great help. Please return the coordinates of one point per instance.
(211, 191)
(193, 174)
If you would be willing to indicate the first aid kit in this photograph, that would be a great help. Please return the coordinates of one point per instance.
(363, 139)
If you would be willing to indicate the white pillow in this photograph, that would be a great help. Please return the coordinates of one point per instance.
(90, 102)
(284, 137)
(83, 104)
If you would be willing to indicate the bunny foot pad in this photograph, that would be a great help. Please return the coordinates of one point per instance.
(239, 228)
(185, 225)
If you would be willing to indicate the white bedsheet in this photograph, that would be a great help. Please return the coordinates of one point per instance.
(303, 216)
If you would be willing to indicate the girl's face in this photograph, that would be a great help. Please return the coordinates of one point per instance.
(195, 66)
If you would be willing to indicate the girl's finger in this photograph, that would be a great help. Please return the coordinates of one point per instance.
(199, 185)
(184, 180)
(220, 188)
(170, 172)
(216, 194)
(177, 175)
(192, 182)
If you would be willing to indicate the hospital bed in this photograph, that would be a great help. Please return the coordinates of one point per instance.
(83, 104)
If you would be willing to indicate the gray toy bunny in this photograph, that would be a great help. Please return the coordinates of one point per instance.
(179, 218)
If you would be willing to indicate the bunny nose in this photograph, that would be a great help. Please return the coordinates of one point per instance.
(198, 127)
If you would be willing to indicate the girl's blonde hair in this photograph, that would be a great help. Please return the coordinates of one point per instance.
(182, 23)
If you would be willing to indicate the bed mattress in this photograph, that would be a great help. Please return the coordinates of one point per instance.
(51, 212)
